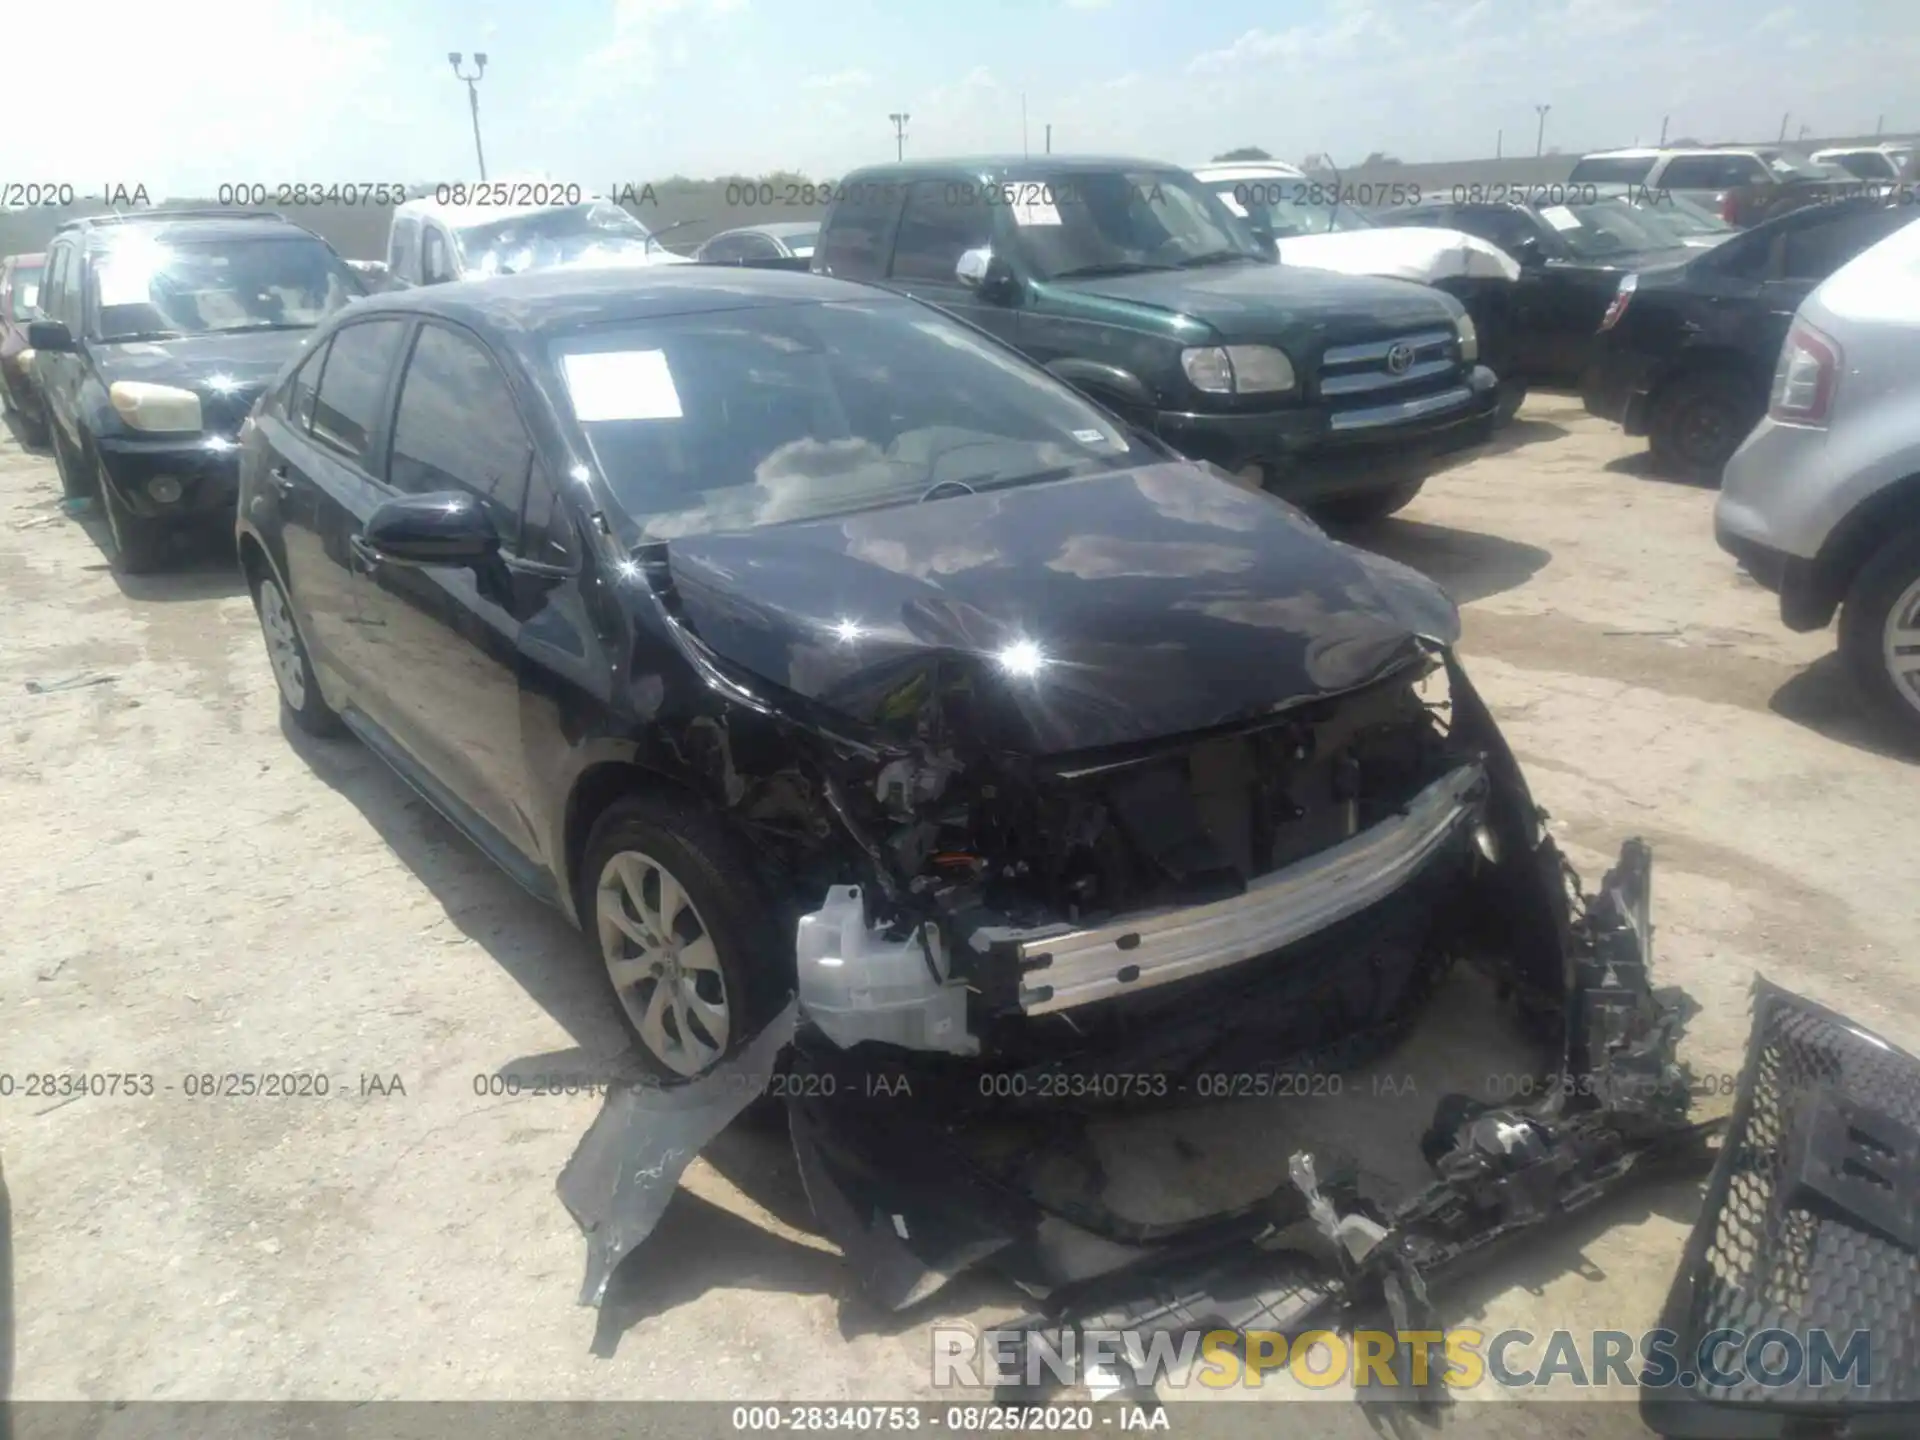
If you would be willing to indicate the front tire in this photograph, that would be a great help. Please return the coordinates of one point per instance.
(292, 671)
(1698, 422)
(1880, 632)
(1369, 506)
(687, 940)
(76, 482)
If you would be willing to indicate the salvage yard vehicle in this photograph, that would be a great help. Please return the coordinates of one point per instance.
(1686, 353)
(1867, 162)
(158, 329)
(1305, 222)
(1743, 186)
(1821, 504)
(789, 240)
(1132, 282)
(431, 242)
(1698, 227)
(1572, 246)
(19, 307)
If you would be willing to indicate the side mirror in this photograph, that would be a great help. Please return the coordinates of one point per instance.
(986, 274)
(447, 528)
(1527, 253)
(50, 337)
(1263, 237)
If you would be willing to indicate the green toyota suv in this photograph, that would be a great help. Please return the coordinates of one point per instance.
(1131, 281)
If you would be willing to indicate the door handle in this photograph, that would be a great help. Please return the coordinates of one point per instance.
(282, 479)
(365, 557)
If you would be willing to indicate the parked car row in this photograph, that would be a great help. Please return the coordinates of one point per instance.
(1743, 186)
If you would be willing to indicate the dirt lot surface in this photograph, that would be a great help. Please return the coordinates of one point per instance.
(191, 890)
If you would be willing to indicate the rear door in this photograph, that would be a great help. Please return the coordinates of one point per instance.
(321, 438)
(59, 375)
(442, 641)
(1546, 309)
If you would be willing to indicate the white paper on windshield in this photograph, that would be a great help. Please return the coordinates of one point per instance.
(1035, 212)
(124, 283)
(622, 385)
(1560, 218)
(1228, 199)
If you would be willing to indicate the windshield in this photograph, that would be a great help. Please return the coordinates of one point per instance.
(731, 420)
(1613, 169)
(1681, 215)
(547, 238)
(25, 292)
(1282, 206)
(1788, 166)
(1114, 222)
(1609, 227)
(146, 289)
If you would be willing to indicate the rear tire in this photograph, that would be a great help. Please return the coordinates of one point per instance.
(1699, 421)
(1880, 632)
(1370, 506)
(724, 966)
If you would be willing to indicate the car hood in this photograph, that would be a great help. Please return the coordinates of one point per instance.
(1163, 600)
(241, 361)
(1401, 253)
(1255, 302)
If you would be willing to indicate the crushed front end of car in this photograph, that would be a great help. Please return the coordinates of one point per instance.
(1082, 835)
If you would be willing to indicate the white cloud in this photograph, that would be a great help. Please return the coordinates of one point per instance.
(839, 80)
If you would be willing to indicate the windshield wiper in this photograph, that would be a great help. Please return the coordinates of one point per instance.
(143, 335)
(1114, 267)
(263, 325)
(1213, 257)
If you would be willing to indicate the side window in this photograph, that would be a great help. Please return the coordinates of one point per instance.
(726, 249)
(1612, 170)
(1698, 172)
(346, 411)
(1746, 170)
(1813, 252)
(457, 428)
(402, 245)
(940, 224)
(859, 231)
(546, 529)
(436, 262)
(302, 386)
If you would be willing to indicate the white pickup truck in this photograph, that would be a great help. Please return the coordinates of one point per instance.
(430, 243)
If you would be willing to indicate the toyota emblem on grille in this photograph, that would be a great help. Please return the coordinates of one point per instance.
(1399, 359)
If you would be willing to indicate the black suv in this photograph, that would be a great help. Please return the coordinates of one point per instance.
(1133, 282)
(158, 332)
(1686, 354)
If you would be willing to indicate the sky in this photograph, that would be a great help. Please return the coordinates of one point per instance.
(183, 97)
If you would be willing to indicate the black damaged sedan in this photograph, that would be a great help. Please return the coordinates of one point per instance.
(790, 635)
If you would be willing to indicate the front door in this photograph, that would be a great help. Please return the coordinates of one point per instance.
(442, 641)
(942, 221)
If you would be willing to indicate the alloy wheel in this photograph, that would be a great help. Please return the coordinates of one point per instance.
(1900, 645)
(283, 645)
(663, 963)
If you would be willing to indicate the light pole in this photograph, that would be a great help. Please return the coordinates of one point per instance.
(1540, 136)
(900, 119)
(473, 98)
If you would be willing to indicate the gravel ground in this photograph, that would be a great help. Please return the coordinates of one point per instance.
(191, 889)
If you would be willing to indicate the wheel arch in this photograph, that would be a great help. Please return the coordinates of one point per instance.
(1878, 521)
(595, 790)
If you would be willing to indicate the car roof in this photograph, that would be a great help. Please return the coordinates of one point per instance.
(775, 228)
(561, 299)
(1641, 153)
(480, 214)
(1249, 170)
(1007, 167)
(99, 230)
